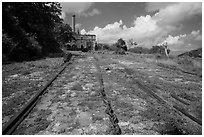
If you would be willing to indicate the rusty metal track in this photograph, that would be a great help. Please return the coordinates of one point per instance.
(148, 90)
(10, 126)
(183, 111)
(184, 71)
(187, 72)
(114, 129)
(179, 99)
(160, 99)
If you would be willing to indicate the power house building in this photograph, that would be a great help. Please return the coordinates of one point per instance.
(81, 42)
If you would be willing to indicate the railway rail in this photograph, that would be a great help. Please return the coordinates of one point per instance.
(153, 93)
(174, 107)
(11, 125)
(115, 128)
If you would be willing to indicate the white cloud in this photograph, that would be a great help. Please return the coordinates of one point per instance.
(83, 31)
(108, 34)
(182, 41)
(196, 35)
(76, 7)
(94, 12)
(178, 12)
(170, 40)
(144, 28)
(78, 26)
(151, 30)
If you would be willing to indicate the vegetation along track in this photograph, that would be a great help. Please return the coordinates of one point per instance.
(75, 103)
(97, 94)
(175, 107)
(178, 106)
(12, 124)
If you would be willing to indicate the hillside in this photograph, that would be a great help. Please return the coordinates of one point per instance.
(197, 53)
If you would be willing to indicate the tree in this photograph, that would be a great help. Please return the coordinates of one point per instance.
(30, 25)
(63, 33)
(140, 50)
(157, 50)
(131, 43)
(121, 44)
(119, 47)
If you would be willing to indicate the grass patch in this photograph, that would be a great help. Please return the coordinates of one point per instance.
(167, 63)
(77, 87)
(26, 72)
(192, 65)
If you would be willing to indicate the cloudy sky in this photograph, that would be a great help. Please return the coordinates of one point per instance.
(148, 24)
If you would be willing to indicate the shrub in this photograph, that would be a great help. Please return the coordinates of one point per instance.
(120, 51)
(139, 50)
(30, 51)
(7, 44)
(157, 50)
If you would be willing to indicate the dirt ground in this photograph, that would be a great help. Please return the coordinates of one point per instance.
(121, 74)
(21, 81)
(73, 105)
